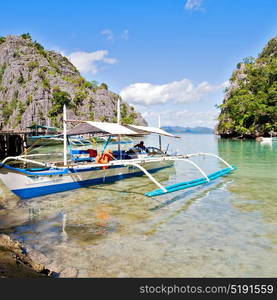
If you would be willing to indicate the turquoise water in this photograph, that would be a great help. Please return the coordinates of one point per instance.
(227, 228)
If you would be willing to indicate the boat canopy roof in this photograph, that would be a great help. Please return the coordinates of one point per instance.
(150, 130)
(105, 128)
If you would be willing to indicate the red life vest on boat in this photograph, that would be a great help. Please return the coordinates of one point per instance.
(104, 158)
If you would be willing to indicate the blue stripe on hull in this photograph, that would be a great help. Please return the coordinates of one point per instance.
(51, 189)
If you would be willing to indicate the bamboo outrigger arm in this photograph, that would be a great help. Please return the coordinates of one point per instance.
(150, 176)
(195, 165)
(174, 159)
(10, 158)
(187, 184)
(213, 155)
(195, 182)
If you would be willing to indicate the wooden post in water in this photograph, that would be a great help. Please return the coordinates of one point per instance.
(160, 138)
(12, 143)
(118, 122)
(64, 137)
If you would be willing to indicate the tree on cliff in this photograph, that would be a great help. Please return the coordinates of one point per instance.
(35, 83)
(250, 105)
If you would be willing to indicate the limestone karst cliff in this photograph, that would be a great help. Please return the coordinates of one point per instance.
(35, 83)
(250, 105)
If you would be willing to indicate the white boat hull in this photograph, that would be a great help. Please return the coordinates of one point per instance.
(26, 185)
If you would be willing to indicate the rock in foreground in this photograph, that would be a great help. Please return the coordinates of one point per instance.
(14, 263)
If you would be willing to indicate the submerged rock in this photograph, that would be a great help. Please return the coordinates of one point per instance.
(68, 272)
(15, 263)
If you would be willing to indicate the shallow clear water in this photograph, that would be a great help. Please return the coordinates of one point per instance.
(227, 228)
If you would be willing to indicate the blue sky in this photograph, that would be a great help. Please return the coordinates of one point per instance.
(169, 57)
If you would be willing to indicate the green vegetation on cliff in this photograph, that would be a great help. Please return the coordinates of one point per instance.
(250, 105)
(35, 83)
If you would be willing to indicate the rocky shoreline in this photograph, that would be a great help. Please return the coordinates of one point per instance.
(18, 262)
(15, 262)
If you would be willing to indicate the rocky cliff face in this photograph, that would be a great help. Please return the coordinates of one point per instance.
(249, 108)
(35, 83)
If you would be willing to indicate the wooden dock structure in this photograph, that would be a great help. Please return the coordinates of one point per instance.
(12, 143)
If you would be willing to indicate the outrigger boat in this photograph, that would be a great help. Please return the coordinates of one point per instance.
(28, 178)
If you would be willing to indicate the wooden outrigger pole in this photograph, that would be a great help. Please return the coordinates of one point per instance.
(64, 137)
(160, 138)
(119, 122)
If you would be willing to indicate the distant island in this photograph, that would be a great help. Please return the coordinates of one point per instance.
(180, 129)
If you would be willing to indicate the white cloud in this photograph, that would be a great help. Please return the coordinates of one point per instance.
(182, 91)
(225, 84)
(110, 36)
(88, 62)
(59, 50)
(193, 4)
(125, 34)
(200, 118)
(108, 33)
